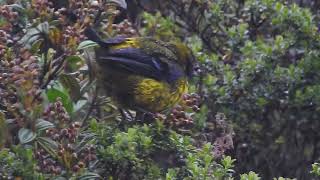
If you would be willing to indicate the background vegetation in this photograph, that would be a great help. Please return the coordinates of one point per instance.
(255, 104)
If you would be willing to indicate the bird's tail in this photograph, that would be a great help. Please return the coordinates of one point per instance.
(93, 36)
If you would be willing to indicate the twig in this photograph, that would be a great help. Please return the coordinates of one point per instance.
(92, 104)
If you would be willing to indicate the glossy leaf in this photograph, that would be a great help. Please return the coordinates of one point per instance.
(86, 44)
(26, 135)
(74, 63)
(35, 34)
(54, 93)
(43, 125)
(49, 145)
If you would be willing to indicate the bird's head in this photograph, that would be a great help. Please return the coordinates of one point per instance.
(185, 58)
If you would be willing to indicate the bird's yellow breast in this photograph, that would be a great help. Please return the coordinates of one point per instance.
(128, 43)
(158, 96)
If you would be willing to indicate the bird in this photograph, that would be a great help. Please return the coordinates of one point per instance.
(141, 73)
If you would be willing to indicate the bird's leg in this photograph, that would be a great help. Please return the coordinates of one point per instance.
(131, 118)
(126, 115)
(144, 117)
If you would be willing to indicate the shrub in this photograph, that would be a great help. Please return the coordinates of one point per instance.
(266, 81)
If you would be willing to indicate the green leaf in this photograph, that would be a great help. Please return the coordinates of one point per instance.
(71, 85)
(73, 63)
(89, 176)
(36, 45)
(171, 174)
(87, 44)
(33, 35)
(54, 93)
(49, 145)
(250, 176)
(316, 169)
(43, 125)
(26, 135)
(227, 162)
(54, 23)
(48, 142)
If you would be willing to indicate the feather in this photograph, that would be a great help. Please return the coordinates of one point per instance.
(132, 66)
(136, 61)
(93, 36)
(137, 55)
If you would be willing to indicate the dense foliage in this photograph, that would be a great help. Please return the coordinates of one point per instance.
(267, 82)
(256, 97)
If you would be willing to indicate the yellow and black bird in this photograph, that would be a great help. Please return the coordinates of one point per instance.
(142, 74)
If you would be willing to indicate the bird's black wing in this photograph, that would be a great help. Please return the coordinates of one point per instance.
(129, 59)
(93, 36)
(135, 61)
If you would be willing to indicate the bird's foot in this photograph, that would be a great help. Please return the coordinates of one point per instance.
(126, 115)
(145, 117)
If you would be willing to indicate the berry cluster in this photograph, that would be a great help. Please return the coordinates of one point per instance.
(10, 16)
(71, 39)
(42, 7)
(4, 41)
(88, 154)
(46, 163)
(66, 134)
(7, 13)
(124, 28)
(66, 153)
(61, 14)
(181, 115)
(192, 101)
(68, 159)
(5, 38)
(84, 11)
(87, 12)
(19, 81)
(69, 134)
(58, 114)
(25, 72)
